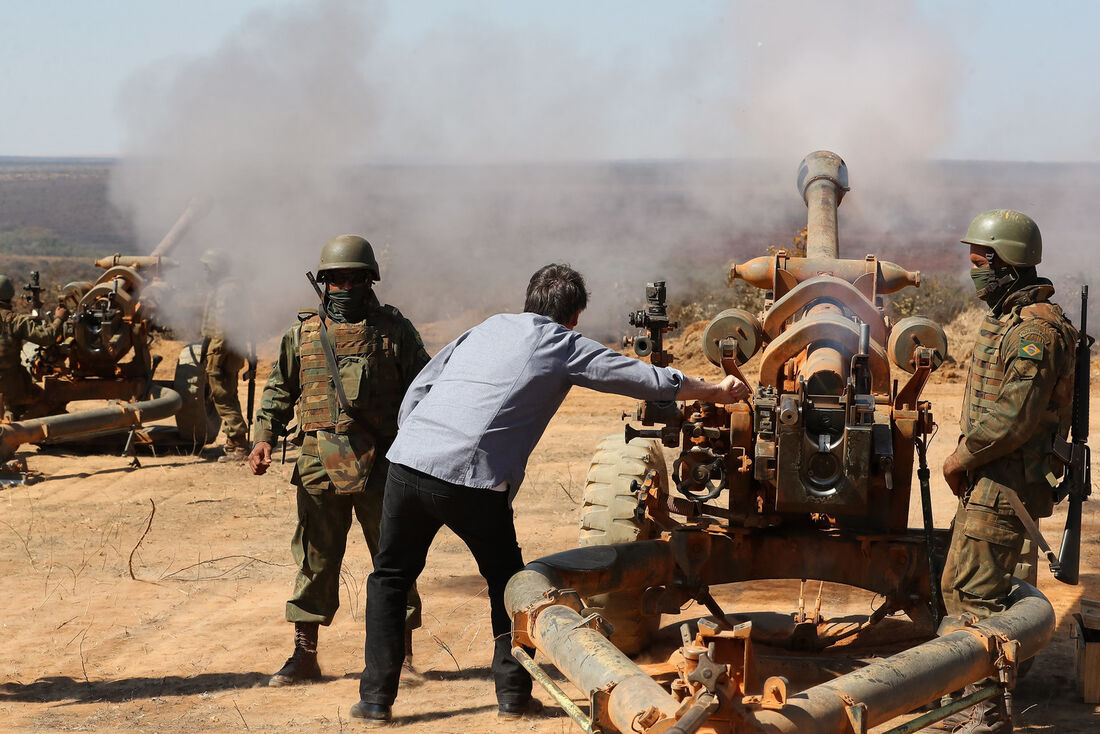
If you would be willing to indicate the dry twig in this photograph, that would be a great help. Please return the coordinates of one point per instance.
(148, 525)
(567, 493)
(446, 649)
(239, 713)
(26, 547)
(80, 649)
(248, 561)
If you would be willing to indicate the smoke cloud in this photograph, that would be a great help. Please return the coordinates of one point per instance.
(470, 156)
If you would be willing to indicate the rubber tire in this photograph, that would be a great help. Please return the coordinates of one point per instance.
(197, 420)
(608, 517)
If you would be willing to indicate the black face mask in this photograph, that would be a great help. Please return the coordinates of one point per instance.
(349, 305)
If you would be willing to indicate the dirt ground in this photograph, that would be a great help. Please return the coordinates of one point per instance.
(179, 632)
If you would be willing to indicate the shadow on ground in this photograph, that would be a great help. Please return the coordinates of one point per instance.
(62, 688)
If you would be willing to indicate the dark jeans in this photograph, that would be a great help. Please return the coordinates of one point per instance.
(415, 507)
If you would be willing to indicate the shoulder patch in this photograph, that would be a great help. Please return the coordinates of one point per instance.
(1030, 350)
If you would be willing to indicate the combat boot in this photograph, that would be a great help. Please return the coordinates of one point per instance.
(410, 676)
(301, 666)
(233, 455)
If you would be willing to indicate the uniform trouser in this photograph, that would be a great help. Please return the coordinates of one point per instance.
(221, 376)
(416, 507)
(17, 392)
(324, 519)
(981, 559)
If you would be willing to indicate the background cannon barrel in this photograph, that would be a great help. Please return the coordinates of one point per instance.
(163, 402)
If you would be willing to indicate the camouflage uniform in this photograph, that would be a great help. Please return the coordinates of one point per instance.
(1018, 396)
(17, 389)
(223, 364)
(378, 358)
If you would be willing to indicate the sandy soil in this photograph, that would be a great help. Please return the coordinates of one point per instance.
(186, 643)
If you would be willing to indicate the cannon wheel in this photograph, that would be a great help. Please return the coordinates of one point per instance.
(608, 517)
(197, 420)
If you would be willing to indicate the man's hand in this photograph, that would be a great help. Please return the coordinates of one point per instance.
(729, 390)
(732, 390)
(61, 312)
(955, 475)
(260, 458)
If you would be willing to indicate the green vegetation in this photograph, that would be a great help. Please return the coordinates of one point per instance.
(705, 300)
(34, 241)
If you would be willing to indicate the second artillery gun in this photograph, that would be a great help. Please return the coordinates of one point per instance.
(104, 354)
(810, 479)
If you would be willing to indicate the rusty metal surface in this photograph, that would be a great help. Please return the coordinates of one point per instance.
(827, 289)
(163, 402)
(823, 327)
(887, 688)
(782, 273)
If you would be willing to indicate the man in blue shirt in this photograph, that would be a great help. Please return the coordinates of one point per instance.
(468, 424)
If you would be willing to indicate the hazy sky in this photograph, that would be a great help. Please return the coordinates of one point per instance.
(1017, 81)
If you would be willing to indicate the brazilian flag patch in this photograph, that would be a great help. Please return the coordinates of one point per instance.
(1030, 350)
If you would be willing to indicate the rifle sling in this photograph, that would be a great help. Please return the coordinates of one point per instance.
(1030, 525)
(333, 369)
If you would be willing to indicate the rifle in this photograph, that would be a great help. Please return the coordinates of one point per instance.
(923, 474)
(34, 294)
(251, 374)
(1077, 480)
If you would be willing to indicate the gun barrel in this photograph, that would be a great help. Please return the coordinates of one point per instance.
(822, 181)
(1080, 425)
(1069, 555)
(196, 208)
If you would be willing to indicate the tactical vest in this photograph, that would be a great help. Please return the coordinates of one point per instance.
(9, 345)
(369, 372)
(987, 374)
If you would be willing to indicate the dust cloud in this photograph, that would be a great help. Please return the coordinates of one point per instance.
(469, 156)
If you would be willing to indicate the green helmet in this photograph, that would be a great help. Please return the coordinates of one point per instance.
(348, 252)
(7, 288)
(1013, 236)
(214, 260)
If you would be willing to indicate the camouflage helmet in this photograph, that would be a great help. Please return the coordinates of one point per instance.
(348, 252)
(1013, 236)
(7, 288)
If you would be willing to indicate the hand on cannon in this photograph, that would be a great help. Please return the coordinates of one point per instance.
(729, 390)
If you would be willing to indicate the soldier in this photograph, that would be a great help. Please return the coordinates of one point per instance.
(17, 390)
(1018, 397)
(222, 363)
(342, 468)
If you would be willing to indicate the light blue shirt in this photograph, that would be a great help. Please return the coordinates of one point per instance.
(478, 408)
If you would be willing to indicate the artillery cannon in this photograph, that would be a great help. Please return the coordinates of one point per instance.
(810, 479)
(104, 354)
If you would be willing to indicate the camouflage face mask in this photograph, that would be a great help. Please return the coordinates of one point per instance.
(348, 305)
(992, 285)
